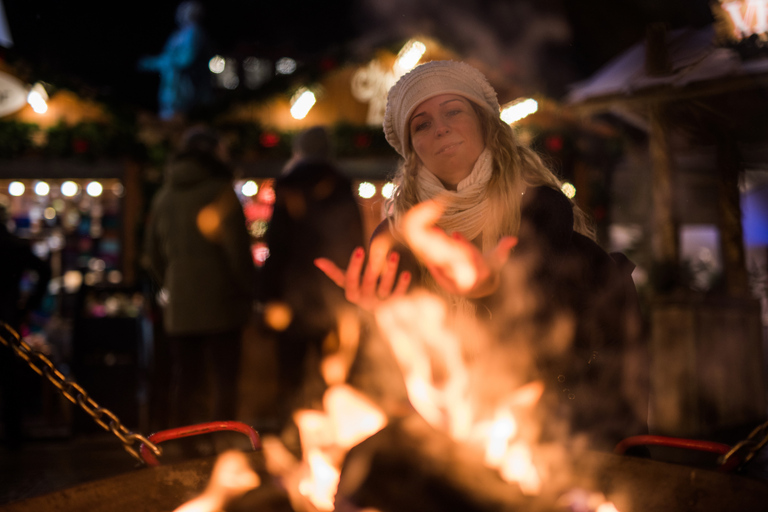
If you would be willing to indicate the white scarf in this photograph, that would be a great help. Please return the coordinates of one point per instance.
(466, 209)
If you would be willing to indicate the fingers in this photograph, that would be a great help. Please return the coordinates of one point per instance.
(500, 253)
(377, 261)
(388, 276)
(351, 281)
(402, 284)
(330, 269)
(418, 221)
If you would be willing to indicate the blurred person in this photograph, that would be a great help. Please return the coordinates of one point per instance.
(315, 214)
(183, 64)
(16, 258)
(197, 248)
(490, 203)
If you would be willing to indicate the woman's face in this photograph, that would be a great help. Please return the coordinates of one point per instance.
(447, 137)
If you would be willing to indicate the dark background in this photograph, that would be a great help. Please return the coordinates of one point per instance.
(540, 45)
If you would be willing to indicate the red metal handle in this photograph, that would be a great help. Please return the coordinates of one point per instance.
(677, 442)
(194, 430)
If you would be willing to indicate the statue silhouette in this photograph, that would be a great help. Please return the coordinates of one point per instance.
(185, 81)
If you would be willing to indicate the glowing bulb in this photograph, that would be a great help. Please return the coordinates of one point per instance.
(409, 56)
(387, 190)
(366, 190)
(519, 109)
(16, 188)
(217, 64)
(42, 188)
(94, 189)
(301, 103)
(249, 188)
(569, 190)
(69, 188)
(37, 98)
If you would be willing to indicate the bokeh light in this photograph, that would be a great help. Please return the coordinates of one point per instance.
(569, 190)
(69, 188)
(366, 190)
(519, 109)
(302, 102)
(16, 188)
(387, 190)
(285, 66)
(217, 64)
(94, 189)
(249, 188)
(42, 188)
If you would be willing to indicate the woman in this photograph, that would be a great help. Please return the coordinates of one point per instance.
(464, 171)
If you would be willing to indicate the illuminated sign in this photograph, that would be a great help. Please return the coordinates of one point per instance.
(371, 83)
(741, 19)
(13, 94)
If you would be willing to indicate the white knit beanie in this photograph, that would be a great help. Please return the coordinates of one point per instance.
(427, 81)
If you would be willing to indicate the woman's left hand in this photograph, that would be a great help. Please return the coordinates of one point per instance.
(456, 264)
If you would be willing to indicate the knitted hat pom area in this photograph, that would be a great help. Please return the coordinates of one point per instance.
(427, 81)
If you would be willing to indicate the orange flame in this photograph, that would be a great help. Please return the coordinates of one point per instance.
(437, 377)
(232, 477)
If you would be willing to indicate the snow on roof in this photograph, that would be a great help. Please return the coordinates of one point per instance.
(694, 56)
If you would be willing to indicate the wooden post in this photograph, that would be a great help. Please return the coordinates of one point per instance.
(729, 210)
(664, 240)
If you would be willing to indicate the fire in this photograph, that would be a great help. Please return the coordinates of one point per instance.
(320, 484)
(438, 379)
(232, 476)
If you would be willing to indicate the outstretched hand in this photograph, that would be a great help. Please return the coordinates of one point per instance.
(455, 263)
(380, 281)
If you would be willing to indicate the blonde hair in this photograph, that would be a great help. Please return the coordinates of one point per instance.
(514, 167)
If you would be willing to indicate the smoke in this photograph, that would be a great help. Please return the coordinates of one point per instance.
(511, 37)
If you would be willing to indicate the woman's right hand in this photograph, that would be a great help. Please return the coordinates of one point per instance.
(375, 284)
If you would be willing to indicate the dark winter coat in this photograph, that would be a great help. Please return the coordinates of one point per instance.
(315, 215)
(597, 378)
(197, 247)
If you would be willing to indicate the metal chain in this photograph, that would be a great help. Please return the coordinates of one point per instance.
(73, 392)
(754, 442)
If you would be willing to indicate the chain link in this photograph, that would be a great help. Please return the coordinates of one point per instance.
(73, 392)
(747, 448)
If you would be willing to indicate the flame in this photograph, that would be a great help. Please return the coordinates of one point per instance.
(232, 477)
(353, 416)
(439, 385)
(430, 244)
(321, 482)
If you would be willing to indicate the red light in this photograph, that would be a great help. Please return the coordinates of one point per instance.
(362, 140)
(554, 143)
(269, 139)
(80, 146)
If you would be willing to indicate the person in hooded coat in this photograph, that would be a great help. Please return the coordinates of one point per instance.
(197, 248)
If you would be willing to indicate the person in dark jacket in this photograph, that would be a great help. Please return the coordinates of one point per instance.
(315, 214)
(197, 248)
(16, 258)
(472, 204)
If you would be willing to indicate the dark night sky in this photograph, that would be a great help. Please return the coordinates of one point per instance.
(541, 44)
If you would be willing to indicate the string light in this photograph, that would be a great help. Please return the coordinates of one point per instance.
(302, 102)
(37, 98)
(69, 188)
(409, 56)
(94, 189)
(366, 190)
(519, 109)
(42, 188)
(569, 190)
(387, 190)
